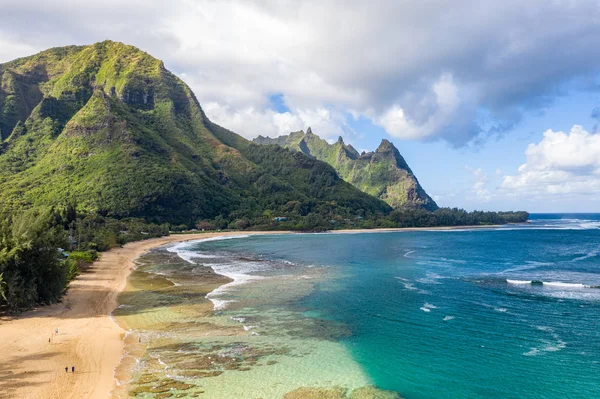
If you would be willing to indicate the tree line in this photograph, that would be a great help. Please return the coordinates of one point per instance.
(43, 249)
(322, 218)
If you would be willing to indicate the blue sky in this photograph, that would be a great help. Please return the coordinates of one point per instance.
(449, 173)
(490, 102)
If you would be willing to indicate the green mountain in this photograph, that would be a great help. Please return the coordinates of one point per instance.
(108, 128)
(383, 173)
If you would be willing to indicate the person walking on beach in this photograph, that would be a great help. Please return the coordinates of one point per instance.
(67, 369)
(72, 369)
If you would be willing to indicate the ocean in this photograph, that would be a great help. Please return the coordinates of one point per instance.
(507, 312)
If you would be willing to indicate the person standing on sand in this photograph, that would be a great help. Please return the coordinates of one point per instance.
(67, 369)
(72, 369)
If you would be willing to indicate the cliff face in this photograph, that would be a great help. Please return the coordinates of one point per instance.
(107, 127)
(383, 173)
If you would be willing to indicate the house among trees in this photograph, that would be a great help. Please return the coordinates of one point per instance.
(280, 219)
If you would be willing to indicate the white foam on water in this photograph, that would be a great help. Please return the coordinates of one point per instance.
(406, 255)
(161, 362)
(574, 294)
(424, 309)
(501, 310)
(410, 286)
(554, 224)
(590, 254)
(448, 318)
(562, 285)
(460, 261)
(181, 248)
(518, 282)
(532, 352)
(551, 284)
(219, 304)
(431, 278)
(554, 345)
(235, 270)
(238, 272)
(562, 290)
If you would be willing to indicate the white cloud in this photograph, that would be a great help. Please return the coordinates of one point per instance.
(480, 185)
(443, 103)
(250, 122)
(10, 48)
(421, 70)
(561, 164)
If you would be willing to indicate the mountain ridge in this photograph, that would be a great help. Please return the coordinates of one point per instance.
(108, 127)
(383, 173)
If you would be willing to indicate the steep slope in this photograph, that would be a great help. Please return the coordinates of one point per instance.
(107, 127)
(383, 173)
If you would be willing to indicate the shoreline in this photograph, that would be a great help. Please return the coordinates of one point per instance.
(89, 338)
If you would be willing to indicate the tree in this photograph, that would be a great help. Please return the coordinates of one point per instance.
(204, 225)
(2, 287)
(242, 224)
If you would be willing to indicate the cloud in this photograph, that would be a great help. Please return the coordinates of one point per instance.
(250, 122)
(480, 188)
(444, 110)
(9, 48)
(421, 70)
(561, 164)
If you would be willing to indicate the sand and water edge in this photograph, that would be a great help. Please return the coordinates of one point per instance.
(90, 339)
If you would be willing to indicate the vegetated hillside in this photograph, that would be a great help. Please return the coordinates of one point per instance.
(383, 173)
(99, 144)
(108, 128)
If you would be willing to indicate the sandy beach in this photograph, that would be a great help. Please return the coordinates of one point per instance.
(34, 358)
(32, 367)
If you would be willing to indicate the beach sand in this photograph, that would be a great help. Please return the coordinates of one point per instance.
(32, 367)
(88, 338)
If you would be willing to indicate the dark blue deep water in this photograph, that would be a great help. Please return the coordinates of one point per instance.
(511, 312)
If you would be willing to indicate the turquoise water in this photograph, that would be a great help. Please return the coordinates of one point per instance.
(446, 314)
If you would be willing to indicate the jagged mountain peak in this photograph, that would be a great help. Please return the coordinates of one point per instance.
(383, 173)
(385, 146)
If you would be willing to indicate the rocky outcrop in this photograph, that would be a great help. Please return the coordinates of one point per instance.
(383, 173)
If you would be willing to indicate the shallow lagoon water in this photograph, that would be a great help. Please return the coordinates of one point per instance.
(425, 314)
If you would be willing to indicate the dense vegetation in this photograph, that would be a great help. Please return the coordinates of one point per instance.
(101, 145)
(397, 219)
(43, 249)
(30, 267)
(383, 173)
(109, 128)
